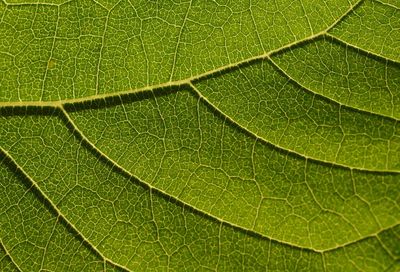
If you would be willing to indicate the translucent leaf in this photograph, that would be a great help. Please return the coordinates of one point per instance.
(199, 135)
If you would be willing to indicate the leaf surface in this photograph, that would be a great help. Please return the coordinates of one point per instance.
(210, 135)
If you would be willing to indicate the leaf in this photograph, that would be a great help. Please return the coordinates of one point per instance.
(199, 135)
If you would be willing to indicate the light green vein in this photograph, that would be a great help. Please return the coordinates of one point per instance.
(151, 187)
(35, 3)
(327, 97)
(177, 83)
(343, 42)
(373, 235)
(255, 135)
(9, 255)
(59, 213)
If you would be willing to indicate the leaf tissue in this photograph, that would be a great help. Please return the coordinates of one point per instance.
(187, 135)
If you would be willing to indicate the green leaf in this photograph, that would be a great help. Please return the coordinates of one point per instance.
(199, 135)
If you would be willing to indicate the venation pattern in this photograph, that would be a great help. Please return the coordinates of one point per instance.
(199, 135)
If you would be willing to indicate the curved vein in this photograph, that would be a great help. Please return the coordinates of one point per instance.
(58, 103)
(2, 246)
(59, 213)
(305, 157)
(151, 187)
(347, 105)
(341, 41)
(373, 235)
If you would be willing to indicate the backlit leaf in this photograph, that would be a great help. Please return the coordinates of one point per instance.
(199, 135)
